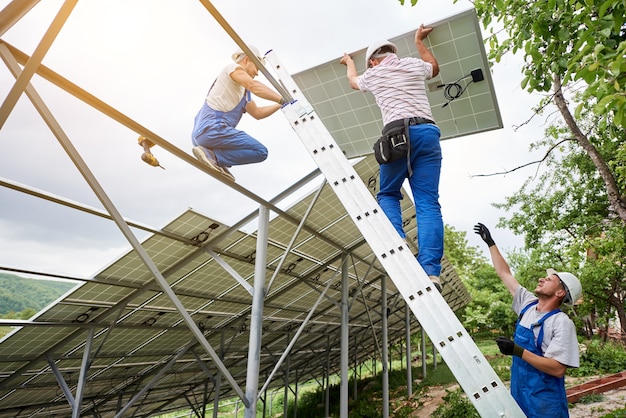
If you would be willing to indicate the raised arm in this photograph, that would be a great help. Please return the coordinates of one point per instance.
(351, 70)
(425, 54)
(499, 263)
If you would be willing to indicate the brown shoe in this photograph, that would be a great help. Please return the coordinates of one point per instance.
(436, 282)
(208, 157)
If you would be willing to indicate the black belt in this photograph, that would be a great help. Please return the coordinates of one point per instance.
(418, 120)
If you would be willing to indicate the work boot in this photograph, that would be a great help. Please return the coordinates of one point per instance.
(228, 173)
(208, 157)
(436, 282)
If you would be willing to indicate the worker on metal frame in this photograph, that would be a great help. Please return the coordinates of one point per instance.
(216, 140)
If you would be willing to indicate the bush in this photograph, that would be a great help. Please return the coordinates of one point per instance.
(456, 405)
(600, 358)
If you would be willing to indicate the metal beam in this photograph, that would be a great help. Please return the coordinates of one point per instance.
(124, 228)
(13, 12)
(31, 66)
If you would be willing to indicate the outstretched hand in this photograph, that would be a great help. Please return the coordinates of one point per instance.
(344, 60)
(484, 233)
(422, 32)
(508, 347)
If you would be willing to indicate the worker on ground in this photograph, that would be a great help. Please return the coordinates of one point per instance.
(545, 342)
(398, 85)
(216, 140)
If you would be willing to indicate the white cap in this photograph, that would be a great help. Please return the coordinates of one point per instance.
(238, 55)
(573, 288)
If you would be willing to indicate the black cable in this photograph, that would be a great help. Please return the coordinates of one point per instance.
(447, 91)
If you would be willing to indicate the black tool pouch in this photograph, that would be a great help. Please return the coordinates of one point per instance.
(393, 144)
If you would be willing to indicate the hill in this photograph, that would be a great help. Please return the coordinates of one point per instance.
(19, 293)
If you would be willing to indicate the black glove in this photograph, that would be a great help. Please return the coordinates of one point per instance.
(484, 233)
(508, 347)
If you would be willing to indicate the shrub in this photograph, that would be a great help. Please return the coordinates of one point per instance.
(456, 405)
(600, 358)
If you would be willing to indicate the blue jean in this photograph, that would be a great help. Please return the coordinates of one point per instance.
(231, 146)
(216, 131)
(424, 183)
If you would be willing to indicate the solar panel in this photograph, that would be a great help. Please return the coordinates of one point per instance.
(462, 103)
(138, 330)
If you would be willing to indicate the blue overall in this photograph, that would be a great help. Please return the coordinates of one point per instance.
(539, 394)
(424, 183)
(216, 131)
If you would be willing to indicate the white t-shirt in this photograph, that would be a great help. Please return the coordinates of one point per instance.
(399, 87)
(225, 93)
(559, 332)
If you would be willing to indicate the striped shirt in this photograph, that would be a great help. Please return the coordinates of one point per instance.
(399, 87)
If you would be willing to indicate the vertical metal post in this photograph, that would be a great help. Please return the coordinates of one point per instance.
(218, 380)
(82, 378)
(355, 376)
(343, 413)
(286, 395)
(256, 315)
(295, 400)
(409, 357)
(385, 343)
(327, 391)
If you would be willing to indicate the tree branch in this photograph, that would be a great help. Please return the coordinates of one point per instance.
(527, 164)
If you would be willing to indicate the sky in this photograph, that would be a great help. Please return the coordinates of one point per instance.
(154, 60)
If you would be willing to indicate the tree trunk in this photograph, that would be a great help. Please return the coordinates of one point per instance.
(616, 201)
(621, 314)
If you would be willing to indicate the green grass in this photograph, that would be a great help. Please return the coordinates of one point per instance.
(311, 401)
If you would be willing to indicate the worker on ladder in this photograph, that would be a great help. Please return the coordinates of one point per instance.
(216, 140)
(398, 85)
(545, 342)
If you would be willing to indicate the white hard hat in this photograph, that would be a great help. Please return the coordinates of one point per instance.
(238, 55)
(373, 49)
(571, 284)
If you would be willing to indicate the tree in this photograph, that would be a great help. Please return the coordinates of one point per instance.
(563, 42)
(568, 224)
(576, 51)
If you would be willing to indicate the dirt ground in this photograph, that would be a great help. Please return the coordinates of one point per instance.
(611, 401)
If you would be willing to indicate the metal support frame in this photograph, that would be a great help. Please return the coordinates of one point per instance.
(155, 379)
(343, 386)
(13, 12)
(256, 317)
(327, 381)
(332, 164)
(385, 344)
(293, 340)
(62, 383)
(23, 79)
(82, 377)
(116, 216)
